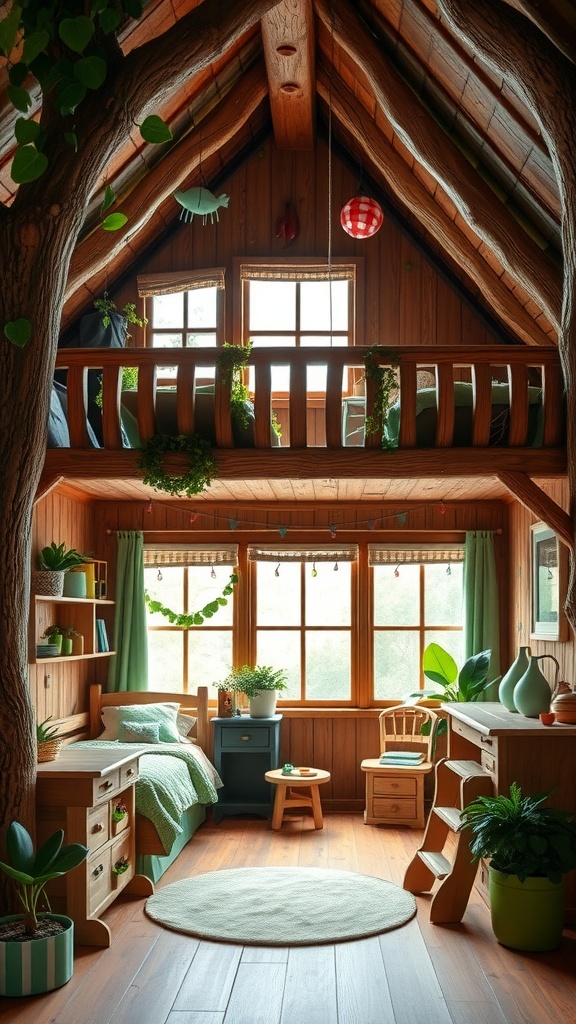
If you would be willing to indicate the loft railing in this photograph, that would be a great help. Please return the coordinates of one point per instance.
(523, 369)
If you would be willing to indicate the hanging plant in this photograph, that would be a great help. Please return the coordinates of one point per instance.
(386, 380)
(195, 618)
(201, 467)
(232, 360)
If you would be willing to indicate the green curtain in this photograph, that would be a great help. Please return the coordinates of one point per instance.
(129, 666)
(481, 611)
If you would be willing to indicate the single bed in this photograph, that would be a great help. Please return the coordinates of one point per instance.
(177, 781)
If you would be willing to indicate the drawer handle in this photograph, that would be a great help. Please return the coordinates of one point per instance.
(394, 785)
(107, 785)
(130, 772)
(245, 737)
(99, 827)
(98, 871)
(395, 807)
(487, 740)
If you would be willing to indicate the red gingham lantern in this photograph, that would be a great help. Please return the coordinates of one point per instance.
(361, 217)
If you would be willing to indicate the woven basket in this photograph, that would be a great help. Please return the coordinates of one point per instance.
(49, 750)
(49, 582)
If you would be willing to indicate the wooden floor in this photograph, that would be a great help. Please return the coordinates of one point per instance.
(418, 974)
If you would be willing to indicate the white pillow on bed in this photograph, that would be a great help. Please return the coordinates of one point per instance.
(164, 715)
(185, 723)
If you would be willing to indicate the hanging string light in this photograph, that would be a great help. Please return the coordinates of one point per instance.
(277, 570)
(397, 571)
(212, 572)
(335, 566)
(314, 569)
(449, 570)
(159, 576)
(149, 506)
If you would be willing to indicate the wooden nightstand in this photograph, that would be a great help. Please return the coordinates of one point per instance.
(78, 792)
(244, 750)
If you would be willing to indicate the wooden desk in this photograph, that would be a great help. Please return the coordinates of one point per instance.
(511, 748)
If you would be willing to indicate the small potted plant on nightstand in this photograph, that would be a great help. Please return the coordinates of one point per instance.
(39, 947)
(260, 683)
(530, 849)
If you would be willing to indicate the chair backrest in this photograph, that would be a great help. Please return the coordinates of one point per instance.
(400, 729)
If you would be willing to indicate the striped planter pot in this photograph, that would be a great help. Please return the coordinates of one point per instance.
(39, 965)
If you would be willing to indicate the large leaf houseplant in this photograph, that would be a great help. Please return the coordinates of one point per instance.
(36, 946)
(450, 683)
(530, 847)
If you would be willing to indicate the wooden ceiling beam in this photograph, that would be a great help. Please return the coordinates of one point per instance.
(418, 131)
(555, 18)
(532, 497)
(289, 49)
(390, 167)
(101, 250)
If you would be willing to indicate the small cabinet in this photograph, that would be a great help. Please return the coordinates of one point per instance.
(79, 793)
(244, 750)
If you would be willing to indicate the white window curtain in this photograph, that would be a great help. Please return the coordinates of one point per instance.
(165, 555)
(180, 281)
(303, 553)
(398, 554)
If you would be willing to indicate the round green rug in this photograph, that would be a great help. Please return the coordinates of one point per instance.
(281, 906)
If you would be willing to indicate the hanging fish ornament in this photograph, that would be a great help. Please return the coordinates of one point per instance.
(200, 201)
(287, 227)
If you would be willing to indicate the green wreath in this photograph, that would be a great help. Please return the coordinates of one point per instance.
(194, 618)
(201, 466)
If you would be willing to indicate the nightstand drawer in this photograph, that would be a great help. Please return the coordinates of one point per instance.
(98, 827)
(394, 786)
(402, 810)
(129, 772)
(250, 736)
(99, 879)
(105, 786)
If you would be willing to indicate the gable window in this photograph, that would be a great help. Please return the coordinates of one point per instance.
(184, 580)
(417, 600)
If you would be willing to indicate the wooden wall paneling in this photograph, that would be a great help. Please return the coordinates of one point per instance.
(304, 201)
(410, 291)
(383, 288)
(259, 213)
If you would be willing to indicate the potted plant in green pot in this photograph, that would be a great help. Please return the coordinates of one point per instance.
(530, 849)
(54, 561)
(260, 683)
(36, 949)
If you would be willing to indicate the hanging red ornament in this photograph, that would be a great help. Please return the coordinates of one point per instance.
(361, 217)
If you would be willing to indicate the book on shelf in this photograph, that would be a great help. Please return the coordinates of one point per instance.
(102, 636)
(402, 757)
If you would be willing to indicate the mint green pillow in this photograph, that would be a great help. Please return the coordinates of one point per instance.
(139, 732)
(163, 715)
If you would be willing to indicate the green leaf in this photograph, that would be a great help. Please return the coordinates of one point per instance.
(91, 71)
(69, 96)
(17, 73)
(20, 98)
(19, 847)
(133, 8)
(438, 665)
(71, 140)
(114, 221)
(109, 21)
(47, 853)
(8, 30)
(109, 198)
(18, 331)
(34, 44)
(28, 164)
(26, 131)
(76, 33)
(153, 129)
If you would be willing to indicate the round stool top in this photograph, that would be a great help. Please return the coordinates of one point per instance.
(315, 777)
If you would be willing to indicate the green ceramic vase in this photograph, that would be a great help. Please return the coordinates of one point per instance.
(512, 677)
(533, 693)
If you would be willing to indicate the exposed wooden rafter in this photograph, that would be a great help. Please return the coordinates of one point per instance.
(417, 130)
(540, 504)
(555, 18)
(288, 38)
(411, 193)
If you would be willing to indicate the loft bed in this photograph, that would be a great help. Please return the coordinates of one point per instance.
(176, 781)
(492, 410)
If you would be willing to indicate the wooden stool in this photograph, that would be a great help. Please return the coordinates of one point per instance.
(287, 794)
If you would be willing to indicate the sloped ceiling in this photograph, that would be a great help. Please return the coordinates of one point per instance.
(444, 140)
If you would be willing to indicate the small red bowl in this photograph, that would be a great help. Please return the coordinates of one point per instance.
(547, 718)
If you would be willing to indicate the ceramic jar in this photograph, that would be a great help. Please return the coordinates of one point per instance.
(513, 676)
(533, 693)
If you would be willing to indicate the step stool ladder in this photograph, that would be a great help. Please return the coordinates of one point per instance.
(457, 784)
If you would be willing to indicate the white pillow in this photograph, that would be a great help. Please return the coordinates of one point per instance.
(185, 723)
(148, 714)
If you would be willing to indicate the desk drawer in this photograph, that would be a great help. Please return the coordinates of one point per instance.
(129, 772)
(394, 786)
(104, 787)
(391, 809)
(98, 827)
(99, 879)
(474, 736)
(240, 739)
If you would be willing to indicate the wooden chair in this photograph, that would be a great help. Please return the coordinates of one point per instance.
(395, 792)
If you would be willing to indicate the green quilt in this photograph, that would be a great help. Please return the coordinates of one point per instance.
(172, 777)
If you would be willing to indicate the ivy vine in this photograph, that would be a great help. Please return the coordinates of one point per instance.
(232, 360)
(195, 618)
(201, 464)
(386, 380)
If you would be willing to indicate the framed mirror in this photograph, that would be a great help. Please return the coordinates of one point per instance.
(548, 582)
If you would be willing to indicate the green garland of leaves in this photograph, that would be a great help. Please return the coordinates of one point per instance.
(201, 467)
(232, 360)
(195, 618)
(386, 380)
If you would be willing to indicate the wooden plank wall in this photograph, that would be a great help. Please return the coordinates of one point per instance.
(519, 522)
(406, 301)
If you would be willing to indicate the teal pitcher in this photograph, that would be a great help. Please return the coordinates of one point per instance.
(512, 677)
(533, 693)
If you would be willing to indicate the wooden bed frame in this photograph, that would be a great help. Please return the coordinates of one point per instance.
(147, 840)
